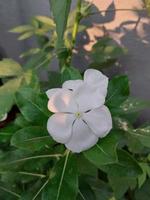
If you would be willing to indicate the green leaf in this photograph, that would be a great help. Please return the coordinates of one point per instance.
(143, 192)
(32, 80)
(70, 73)
(30, 52)
(101, 189)
(54, 79)
(46, 20)
(127, 166)
(104, 152)
(63, 185)
(60, 10)
(142, 134)
(118, 91)
(26, 35)
(7, 92)
(21, 29)
(85, 190)
(9, 67)
(7, 132)
(33, 106)
(86, 167)
(146, 172)
(105, 54)
(31, 138)
(20, 121)
(26, 160)
(40, 59)
(121, 185)
(131, 105)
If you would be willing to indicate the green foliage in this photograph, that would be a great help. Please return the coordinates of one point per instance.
(32, 165)
(64, 180)
(62, 7)
(104, 152)
(105, 54)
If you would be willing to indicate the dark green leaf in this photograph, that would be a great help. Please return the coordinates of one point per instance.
(31, 138)
(33, 106)
(104, 152)
(118, 91)
(144, 192)
(70, 73)
(63, 184)
(142, 135)
(127, 166)
(60, 10)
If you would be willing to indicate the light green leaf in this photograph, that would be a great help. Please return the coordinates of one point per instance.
(60, 10)
(9, 67)
(104, 152)
(46, 20)
(63, 185)
(7, 92)
(30, 52)
(26, 35)
(31, 138)
(21, 29)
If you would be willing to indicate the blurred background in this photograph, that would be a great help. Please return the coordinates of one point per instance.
(128, 28)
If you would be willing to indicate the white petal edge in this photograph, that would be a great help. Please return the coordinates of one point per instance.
(95, 78)
(59, 127)
(51, 92)
(72, 84)
(82, 137)
(62, 101)
(88, 97)
(3, 117)
(99, 120)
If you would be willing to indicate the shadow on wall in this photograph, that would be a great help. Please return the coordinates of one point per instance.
(132, 33)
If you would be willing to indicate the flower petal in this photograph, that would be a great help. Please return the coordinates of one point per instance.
(88, 97)
(96, 78)
(72, 84)
(62, 101)
(82, 137)
(99, 120)
(51, 92)
(59, 126)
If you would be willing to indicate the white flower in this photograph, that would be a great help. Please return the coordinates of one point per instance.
(80, 114)
(3, 117)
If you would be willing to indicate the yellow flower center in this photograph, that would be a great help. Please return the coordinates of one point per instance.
(78, 115)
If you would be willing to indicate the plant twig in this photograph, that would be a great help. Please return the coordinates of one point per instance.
(10, 192)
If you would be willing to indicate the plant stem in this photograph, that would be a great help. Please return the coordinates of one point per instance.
(75, 27)
(76, 24)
